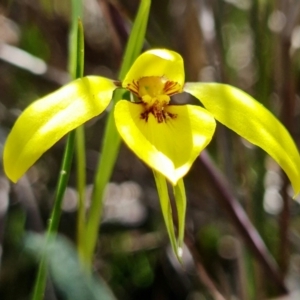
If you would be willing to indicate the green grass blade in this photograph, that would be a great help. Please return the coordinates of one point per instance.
(110, 150)
(136, 38)
(75, 61)
(79, 50)
(111, 140)
(73, 36)
(80, 151)
(40, 283)
(65, 269)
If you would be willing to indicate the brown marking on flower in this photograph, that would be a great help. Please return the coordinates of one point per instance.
(134, 87)
(154, 92)
(159, 113)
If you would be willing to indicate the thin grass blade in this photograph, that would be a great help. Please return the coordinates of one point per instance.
(111, 140)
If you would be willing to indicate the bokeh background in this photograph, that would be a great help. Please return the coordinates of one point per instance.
(243, 228)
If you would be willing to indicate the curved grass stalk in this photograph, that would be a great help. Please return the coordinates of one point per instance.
(112, 140)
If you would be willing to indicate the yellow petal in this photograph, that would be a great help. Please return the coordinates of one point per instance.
(47, 120)
(247, 117)
(169, 147)
(157, 62)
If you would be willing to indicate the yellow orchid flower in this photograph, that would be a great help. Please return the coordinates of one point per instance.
(166, 137)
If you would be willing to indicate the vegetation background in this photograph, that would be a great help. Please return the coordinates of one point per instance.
(243, 228)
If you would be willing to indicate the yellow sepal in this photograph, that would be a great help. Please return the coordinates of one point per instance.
(251, 120)
(47, 120)
(157, 62)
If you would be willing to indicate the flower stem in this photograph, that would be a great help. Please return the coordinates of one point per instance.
(81, 182)
(110, 149)
(76, 70)
(111, 141)
(80, 151)
(40, 283)
(62, 183)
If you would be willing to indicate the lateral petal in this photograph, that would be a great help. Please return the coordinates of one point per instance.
(47, 120)
(250, 119)
(169, 147)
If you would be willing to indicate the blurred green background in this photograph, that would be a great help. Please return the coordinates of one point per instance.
(251, 44)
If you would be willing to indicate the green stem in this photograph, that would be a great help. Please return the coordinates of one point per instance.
(81, 182)
(110, 149)
(40, 283)
(76, 70)
(111, 141)
(62, 183)
(80, 151)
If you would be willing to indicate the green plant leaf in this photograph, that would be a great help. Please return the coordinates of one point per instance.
(47, 120)
(136, 38)
(110, 149)
(80, 138)
(66, 270)
(251, 120)
(76, 41)
(76, 66)
(111, 141)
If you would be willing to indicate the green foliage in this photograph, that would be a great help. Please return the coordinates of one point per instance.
(65, 269)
